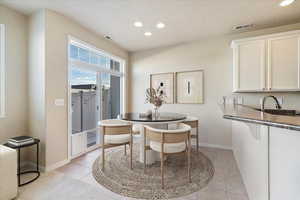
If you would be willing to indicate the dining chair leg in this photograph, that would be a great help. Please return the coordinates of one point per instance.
(187, 154)
(197, 138)
(125, 149)
(189, 159)
(144, 160)
(103, 148)
(103, 158)
(162, 169)
(131, 145)
(145, 150)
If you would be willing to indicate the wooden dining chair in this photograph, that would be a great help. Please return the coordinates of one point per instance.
(168, 142)
(116, 133)
(193, 122)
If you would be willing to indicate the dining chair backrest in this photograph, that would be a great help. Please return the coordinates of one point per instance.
(168, 136)
(115, 127)
(192, 121)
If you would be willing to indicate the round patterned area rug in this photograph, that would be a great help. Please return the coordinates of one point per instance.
(118, 177)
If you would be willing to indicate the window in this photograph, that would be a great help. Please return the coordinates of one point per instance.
(88, 55)
(82, 77)
(86, 60)
(73, 52)
(94, 59)
(83, 55)
(2, 70)
(114, 65)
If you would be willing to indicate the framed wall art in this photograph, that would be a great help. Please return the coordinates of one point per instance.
(166, 81)
(189, 87)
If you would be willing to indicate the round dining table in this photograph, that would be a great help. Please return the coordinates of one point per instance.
(163, 120)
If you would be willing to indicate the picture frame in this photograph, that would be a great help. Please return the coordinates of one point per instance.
(190, 87)
(167, 81)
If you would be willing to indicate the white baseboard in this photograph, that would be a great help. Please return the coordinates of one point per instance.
(57, 165)
(47, 169)
(216, 146)
(201, 144)
(88, 150)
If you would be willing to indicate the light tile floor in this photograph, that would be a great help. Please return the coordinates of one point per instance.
(75, 181)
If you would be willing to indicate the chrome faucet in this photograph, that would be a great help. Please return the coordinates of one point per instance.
(264, 101)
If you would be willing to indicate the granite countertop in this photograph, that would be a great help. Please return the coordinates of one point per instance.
(249, 114)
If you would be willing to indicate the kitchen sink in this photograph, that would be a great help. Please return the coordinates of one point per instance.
(280, 112)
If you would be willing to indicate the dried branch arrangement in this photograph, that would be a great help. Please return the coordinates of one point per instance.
(155, 96)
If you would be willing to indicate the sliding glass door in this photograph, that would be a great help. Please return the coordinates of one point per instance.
(96, 88)
(85, 99)
(111, 96)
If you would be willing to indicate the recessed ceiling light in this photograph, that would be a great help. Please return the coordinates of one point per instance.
(160, 25)
(286, 2)
(138, 24)
(147, 33)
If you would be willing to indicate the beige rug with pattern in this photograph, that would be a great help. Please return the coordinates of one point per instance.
(118, 177)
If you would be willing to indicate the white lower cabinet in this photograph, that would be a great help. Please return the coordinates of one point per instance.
(269, 165)
(284, 164)
(250, 147)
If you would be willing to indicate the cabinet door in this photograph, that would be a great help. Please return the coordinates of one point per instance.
(283, 63)
(249, 65)
(250, 147)
(284, 164)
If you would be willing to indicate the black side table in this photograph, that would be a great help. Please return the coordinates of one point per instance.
(37, 171)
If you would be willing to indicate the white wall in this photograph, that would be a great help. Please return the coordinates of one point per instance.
(210, 55)
(36, 80)
(40, 43)
(214, 55)
(50, 32)
(15, 122)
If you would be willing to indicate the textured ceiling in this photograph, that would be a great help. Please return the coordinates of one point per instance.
(185, 20)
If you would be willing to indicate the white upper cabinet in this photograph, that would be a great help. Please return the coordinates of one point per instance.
(267, 63)
(283, 63)
(249, 59)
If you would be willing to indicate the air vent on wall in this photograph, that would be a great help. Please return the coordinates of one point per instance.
(107, 37)
(242, 27)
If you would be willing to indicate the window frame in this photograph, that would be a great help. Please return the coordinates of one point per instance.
(2, 72)
(96, 67)
(99, 68)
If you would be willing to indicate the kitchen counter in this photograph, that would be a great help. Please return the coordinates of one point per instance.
(250, 115)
